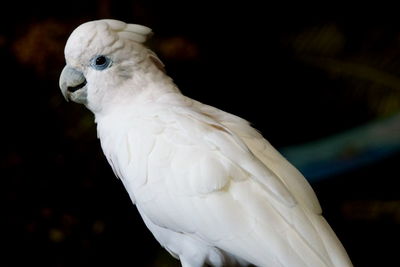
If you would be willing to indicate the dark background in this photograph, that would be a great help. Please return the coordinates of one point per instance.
(292, 70)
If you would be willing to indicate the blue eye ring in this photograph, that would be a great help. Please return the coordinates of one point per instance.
(100, 62)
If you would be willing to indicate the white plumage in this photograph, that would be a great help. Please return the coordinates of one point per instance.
(209, 187)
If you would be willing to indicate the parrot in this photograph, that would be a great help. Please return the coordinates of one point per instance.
(208, 186)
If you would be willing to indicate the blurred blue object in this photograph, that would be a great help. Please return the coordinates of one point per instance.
(346, 151)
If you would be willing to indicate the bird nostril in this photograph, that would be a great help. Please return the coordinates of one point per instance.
(76, 88)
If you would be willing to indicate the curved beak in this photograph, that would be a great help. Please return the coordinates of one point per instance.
(73, 85)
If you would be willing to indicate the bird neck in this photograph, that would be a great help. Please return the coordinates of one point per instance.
(152, 86)
(146, 88)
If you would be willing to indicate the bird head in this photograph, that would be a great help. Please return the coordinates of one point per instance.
(101, 56)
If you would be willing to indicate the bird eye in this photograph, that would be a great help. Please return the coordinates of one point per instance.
(100, 62)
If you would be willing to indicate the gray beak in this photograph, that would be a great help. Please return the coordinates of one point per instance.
(73, 85)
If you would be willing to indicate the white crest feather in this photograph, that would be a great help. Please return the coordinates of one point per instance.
(134, 32)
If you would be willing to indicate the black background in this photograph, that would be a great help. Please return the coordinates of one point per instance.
(62, 204)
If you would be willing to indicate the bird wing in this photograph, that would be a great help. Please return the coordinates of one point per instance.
(270, 157)
(288, 174)
(295, 182)
(218, 189)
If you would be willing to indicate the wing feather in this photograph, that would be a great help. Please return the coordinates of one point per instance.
(232, 148)
(268, 155)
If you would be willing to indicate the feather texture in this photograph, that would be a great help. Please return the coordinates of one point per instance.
(210, 176)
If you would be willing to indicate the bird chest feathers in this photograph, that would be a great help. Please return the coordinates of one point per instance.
(153, 150)
(127, 141)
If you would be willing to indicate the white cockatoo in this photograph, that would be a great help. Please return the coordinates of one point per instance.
(209, 187)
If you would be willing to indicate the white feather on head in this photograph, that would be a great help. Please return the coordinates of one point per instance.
(109, 34)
